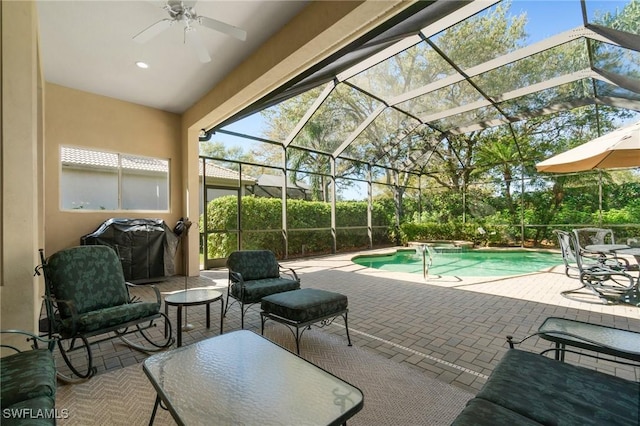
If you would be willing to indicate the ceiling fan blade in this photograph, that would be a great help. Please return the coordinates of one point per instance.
(216, 25)
(192, 38)
(153, 30)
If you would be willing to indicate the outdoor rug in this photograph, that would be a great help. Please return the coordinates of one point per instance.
(394, 394)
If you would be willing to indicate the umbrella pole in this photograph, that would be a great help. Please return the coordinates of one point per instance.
(599, 197)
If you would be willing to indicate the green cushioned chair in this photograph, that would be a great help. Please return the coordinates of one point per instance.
(254, 274)
(27, 382)
(86, 296)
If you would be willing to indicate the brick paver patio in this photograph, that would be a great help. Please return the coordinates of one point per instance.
(449, 328)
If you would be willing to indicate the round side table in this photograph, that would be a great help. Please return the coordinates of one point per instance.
(193, 297)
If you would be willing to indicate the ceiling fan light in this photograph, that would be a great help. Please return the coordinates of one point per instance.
(191, 37)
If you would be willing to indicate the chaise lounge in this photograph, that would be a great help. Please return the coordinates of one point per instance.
(528, 389)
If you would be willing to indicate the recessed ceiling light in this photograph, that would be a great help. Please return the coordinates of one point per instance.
(142, 65)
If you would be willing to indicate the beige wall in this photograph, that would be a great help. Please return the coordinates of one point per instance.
(21, 157)
(77, 118)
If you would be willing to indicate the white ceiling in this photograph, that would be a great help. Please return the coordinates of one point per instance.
(87, 45)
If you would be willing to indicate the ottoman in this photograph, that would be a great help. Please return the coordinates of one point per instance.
(303, 307)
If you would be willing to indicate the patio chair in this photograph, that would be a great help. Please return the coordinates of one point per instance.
(28, 378)
(254, 274)
(607, 283)
(86, 296)
(600, 236)
(589, 236)
(568, 252)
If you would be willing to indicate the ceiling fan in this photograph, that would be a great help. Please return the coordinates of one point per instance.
(184, 12)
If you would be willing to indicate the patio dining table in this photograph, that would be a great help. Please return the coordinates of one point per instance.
(618, 249)
(632, 251)
(606, 248)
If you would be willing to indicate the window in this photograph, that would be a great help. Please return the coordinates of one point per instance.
(98, 180)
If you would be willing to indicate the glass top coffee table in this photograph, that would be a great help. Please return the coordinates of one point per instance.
(243, 378)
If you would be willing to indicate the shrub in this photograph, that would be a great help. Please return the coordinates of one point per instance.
(308, 224)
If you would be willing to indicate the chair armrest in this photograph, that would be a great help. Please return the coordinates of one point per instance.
(30, 336)
(562, 338)
(512, 342)
(236, 278)
(289, 272)
(613, 261)
(609, 260)
(136, 299)
(591, 257)
(55, 317)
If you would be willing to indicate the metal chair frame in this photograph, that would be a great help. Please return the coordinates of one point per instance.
(236, 278)
(597, 236)
(568, 253)
(67, 337)
(608, 283)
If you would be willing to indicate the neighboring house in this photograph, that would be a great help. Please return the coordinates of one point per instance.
(222, 181)
(271, 186)
(99, 180)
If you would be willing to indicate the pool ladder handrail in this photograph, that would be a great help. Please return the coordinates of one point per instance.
(426, 265)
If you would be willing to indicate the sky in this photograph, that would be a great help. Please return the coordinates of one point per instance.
(545, 18)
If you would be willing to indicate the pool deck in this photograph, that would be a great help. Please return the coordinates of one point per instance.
(449, 328)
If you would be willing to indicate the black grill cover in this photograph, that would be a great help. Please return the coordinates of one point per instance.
(146, 247)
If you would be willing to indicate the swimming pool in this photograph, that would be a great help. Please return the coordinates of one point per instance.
(466, 263)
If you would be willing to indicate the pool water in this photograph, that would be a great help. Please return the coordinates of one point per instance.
(471, 263)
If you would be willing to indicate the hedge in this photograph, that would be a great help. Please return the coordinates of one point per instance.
(261, 224)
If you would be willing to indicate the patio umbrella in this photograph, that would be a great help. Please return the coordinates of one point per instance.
(620, 148)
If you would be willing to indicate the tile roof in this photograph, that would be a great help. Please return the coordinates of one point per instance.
(213, 170)
(86, 157)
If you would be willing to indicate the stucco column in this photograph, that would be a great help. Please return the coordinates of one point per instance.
(190, 198)
(21, 159)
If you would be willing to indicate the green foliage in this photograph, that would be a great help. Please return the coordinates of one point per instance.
(619, 216)
(222, 214)
(578, 206)
(304, 219)
(429, 231)
(261, 213)
(310, 221)
(457, 231)
(627, 19)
